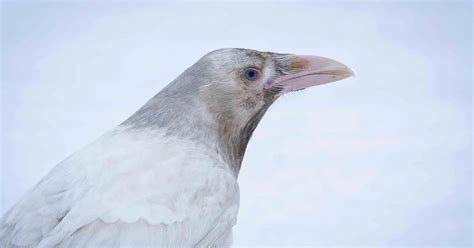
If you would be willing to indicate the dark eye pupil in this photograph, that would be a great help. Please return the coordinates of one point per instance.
(251, 74)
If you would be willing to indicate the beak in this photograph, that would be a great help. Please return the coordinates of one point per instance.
(307, 71)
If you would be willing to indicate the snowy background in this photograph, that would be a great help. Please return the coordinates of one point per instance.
(381, 159)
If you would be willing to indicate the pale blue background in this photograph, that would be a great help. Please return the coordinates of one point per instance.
(381, 159)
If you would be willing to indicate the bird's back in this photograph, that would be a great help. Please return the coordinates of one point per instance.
(130, 187)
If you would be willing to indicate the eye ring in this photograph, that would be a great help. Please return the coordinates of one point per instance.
(251, 74)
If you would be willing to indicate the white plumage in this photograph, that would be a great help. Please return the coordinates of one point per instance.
(167, 176)
(128, 183)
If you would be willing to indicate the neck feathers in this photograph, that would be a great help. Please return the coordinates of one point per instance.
(203, 113)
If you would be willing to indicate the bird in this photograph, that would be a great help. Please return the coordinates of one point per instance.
(167, 175)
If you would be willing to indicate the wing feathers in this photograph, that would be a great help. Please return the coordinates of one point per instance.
(128, 188)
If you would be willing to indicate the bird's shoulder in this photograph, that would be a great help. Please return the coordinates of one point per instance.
(128, 178)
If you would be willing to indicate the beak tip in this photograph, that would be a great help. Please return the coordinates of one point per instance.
(351, 72)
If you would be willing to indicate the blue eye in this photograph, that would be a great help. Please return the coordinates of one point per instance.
(251, 74)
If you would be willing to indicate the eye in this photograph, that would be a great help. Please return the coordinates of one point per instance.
(251, 74)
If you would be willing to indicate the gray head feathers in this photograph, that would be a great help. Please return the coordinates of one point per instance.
(215, 103)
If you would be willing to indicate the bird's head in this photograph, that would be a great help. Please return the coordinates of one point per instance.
(225, 94)
(239, 83)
